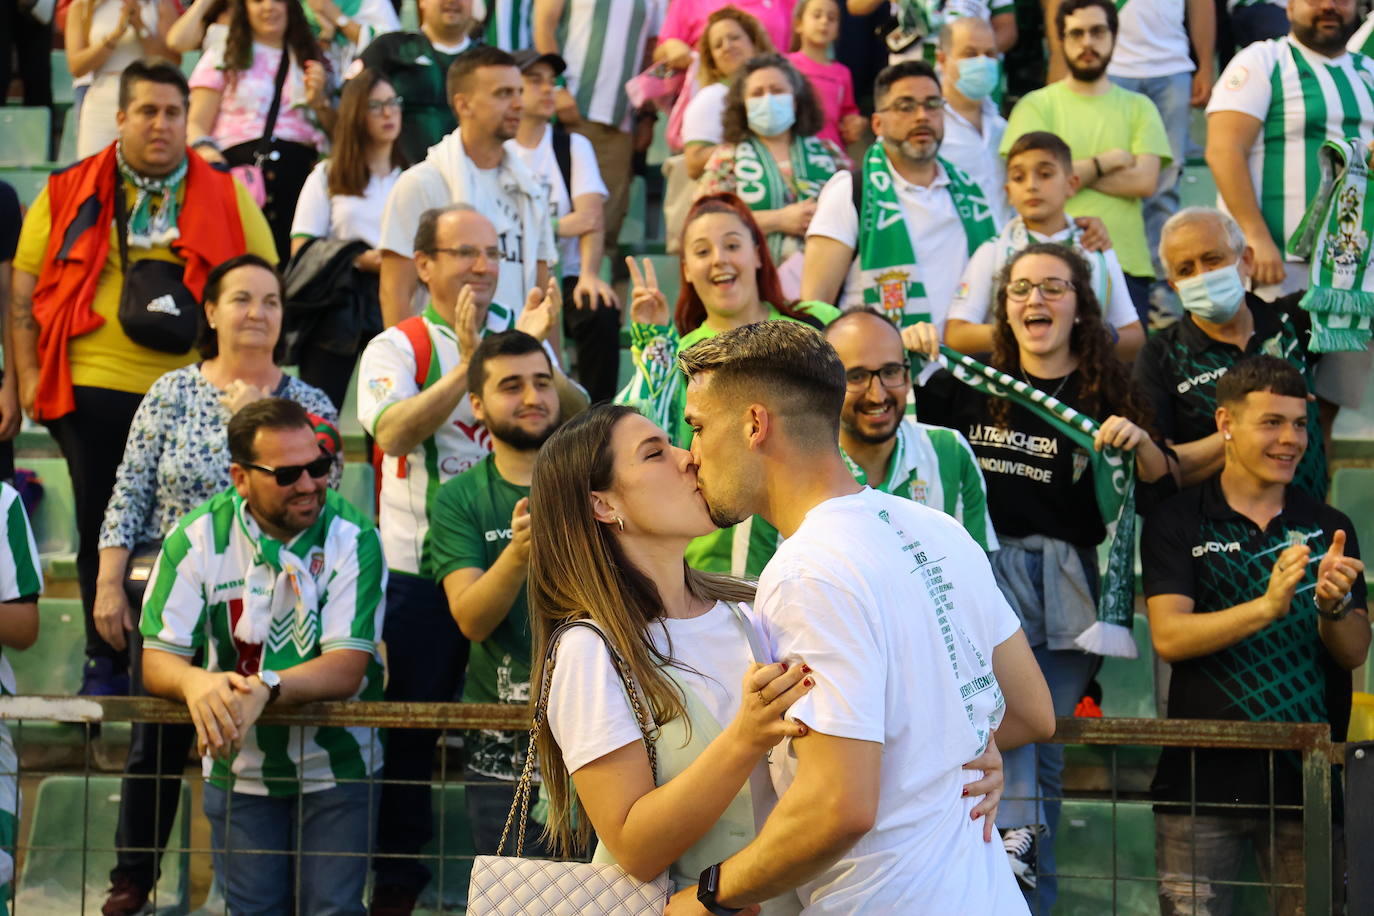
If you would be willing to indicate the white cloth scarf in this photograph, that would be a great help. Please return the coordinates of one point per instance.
(276, 585)
(451, 159)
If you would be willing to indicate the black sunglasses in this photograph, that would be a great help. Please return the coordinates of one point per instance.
(291, 473)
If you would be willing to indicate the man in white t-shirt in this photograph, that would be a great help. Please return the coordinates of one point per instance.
(472, 165)
(566, 163)
(970, 71)
(918, 659)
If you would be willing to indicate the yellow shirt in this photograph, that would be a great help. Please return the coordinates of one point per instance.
(106, 357)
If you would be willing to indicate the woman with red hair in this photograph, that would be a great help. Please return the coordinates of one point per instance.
(728, 280)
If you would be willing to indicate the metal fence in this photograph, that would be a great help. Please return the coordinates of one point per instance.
(69, 779)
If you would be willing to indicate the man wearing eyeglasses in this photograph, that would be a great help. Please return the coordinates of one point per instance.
(1117, 137)
(892, 453)
(281, 581)
(897, 235)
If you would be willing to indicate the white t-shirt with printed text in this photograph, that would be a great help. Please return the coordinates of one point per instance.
(586, 179)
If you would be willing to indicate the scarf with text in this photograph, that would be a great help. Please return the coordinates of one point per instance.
(760, 183)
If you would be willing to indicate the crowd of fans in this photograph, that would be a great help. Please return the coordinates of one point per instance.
(977, 205)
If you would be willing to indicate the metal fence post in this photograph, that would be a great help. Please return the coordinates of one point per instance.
(1316, 826)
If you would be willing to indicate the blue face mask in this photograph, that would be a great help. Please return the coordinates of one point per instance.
(978, 76)
(770, 115)
(1214, 296)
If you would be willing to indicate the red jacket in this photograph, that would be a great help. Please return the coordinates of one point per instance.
(81, 199)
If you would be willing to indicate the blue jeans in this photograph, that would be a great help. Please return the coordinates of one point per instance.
(259, 882)
(1258, 22)
(1171, 95)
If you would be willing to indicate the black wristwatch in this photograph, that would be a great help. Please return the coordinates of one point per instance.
(1341, 611)
(707, 886)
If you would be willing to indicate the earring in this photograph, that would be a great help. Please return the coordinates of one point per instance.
(621, 522)
(1226, 436)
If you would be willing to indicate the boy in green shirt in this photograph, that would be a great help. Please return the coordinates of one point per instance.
(478, 548)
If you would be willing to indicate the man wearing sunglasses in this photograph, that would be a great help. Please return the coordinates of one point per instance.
(281, 581)
(892, 453)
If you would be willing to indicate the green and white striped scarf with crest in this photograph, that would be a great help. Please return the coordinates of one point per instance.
(1334, 235)
(760, 184)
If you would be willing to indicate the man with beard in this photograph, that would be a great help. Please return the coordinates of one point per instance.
(932, 465)
(1116, 136)
(478, 549)
(412, 387)
(1274, 106)
(902, 234)
(279, 580)
(472, 165)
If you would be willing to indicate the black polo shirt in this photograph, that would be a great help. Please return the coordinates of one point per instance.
(1196, 545)
(419, 73)
(1178, 369)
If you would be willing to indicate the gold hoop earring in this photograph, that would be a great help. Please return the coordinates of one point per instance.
(621, 522)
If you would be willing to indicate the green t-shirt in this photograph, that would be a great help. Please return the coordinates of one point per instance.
(469, 526)
(1093, 124)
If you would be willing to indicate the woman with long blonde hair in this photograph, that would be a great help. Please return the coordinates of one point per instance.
(614, 505)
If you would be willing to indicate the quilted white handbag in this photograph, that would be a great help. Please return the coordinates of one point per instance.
(514, 886)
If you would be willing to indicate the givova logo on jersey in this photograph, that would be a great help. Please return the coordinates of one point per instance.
(1207, 547)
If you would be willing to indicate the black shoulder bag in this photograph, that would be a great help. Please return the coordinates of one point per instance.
(156, 309)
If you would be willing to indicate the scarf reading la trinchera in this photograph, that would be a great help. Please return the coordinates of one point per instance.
(1334, 236)
(890, 276)
(1113, 483)
(759, 182)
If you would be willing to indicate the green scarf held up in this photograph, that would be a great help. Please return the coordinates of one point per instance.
(1113, 483)
(1334, 237)
(759, 182)
(890, 276)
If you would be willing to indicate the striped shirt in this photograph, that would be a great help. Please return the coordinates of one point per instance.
(20, 577)
(934, 466)
(1301, 99)
(386, 376)
(603, 44)
(509, 23)
(195, 598)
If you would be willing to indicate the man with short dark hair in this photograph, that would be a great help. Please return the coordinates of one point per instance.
(479, 550)
(472, 165)
(1257, 598)
(82, 369)
(1118, 140)
(281, 581)
(894, 607)
(908, 265)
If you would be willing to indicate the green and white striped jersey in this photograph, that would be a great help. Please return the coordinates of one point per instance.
(509, 23)
(386, 376)
(196, 596)
(934, 466)
(1301, 99)
(603, 44)
(20, 576)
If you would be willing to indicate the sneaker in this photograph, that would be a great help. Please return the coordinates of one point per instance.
(100, 679)
(393, 900)
(1020, 844)
(127, 898)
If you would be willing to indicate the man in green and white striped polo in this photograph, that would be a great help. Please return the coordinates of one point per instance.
(604, 42)
(1274, 106)
(891, 452)
(281, 581)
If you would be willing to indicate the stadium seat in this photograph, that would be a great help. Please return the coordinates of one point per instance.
(658, 150)
(27, 133)
(52, 665)
(359, 488)
(70, 849)
(1352, 491)
(61, 80)
(189, 61)
(27, 181)
(448, 855)
(66, 149)
(666, 267)
(1114, 848)
(410, 15)
(632, 234)
(54, 522)
(1128, 684)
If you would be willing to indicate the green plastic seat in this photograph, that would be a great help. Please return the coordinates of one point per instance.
(189, 61)
(66, 150)
(61, 79)
(27, 132)
(358, 487)
(52, 665)
(27, 181)
(54, 522)
(1119, 848)
(448, 855)
(70, 849)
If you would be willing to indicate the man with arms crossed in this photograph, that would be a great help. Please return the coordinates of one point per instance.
(894, 604)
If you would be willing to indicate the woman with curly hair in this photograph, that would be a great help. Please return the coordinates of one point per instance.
(1049, 333)
(231, 91)
(771, 158)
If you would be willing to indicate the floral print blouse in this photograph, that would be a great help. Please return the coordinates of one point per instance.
(177, 454)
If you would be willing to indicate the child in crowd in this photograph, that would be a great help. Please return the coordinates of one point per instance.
(815, 26)
(1040, 180)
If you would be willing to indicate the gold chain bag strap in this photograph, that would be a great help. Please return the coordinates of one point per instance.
(513, 886)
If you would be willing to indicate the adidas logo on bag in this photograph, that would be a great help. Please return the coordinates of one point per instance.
(165, 304)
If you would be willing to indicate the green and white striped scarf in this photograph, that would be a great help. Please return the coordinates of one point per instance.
(759, 182)
(889, 274)
(1113, 482)
(1334, 236)
(151, 227)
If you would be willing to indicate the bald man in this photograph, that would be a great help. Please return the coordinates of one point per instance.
(969, 73)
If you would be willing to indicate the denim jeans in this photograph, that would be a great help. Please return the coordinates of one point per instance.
(489, 802)
(1171, 95)
(1191, 852)
(261, 883)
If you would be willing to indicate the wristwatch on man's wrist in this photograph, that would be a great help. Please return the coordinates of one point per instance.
(1340, 611)
(707, 887)
(272, 681)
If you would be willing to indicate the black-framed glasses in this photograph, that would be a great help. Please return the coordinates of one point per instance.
(892, 375)
(1051, 288)
(288, 474)
(394, 103)
(470, 252)
(906, 104)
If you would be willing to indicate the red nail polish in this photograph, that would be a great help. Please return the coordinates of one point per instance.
(808, 682)
(965, 792)
(806, 669)
(784, 665)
